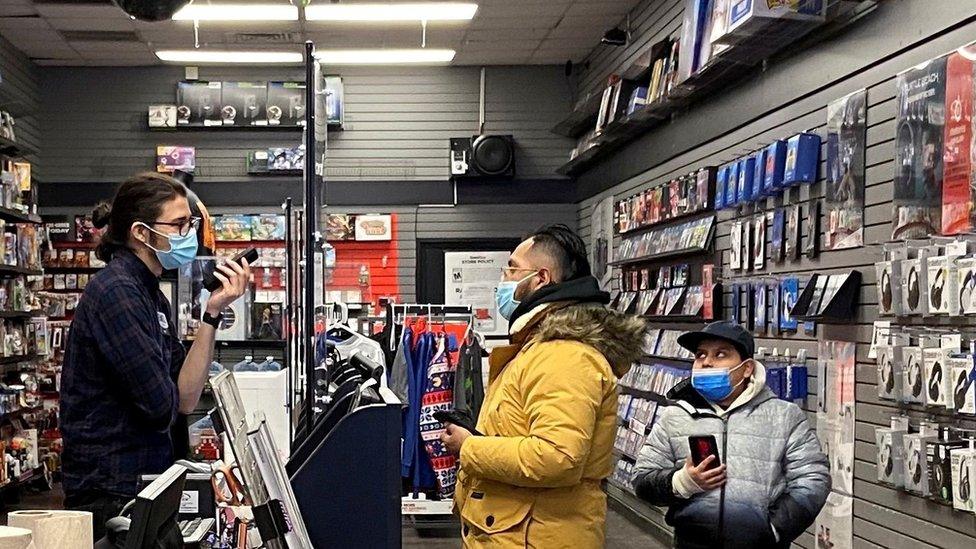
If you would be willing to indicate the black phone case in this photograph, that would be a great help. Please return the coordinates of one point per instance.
(457, 418)
(698, 454)
(212, 283)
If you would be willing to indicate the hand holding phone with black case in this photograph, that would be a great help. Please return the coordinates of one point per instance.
(212, 283)
(703, 446)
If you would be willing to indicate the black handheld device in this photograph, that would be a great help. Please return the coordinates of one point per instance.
(457, 418)
(212, 283)
(702, 447)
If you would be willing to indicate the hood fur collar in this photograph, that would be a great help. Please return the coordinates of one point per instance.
(616, 336)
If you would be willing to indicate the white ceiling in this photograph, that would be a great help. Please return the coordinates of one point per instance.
(503, 32)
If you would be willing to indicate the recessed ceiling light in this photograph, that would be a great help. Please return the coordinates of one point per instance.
(237, 12)
(419, 11)
(214, 56)
(384, 56)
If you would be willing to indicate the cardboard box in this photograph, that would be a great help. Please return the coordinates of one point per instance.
(286, 103)
(233, 228)
(963, 391)
(917, 463)
(963, 479)
(747, 170)
(913, 380)
(940, 469)
(244, 103)
(802, 159)
(169, 159)
(267, 227)
(162, 116)
(775, 166)
(198, 103)
(749, 17)
(934, 362)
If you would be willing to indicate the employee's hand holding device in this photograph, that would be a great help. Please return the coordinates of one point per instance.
(230, 280)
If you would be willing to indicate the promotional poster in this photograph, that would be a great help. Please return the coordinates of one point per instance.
(846, 144)
(959, 185)
(835, 421)
(920, 123)
(792, 244)
(790, 288)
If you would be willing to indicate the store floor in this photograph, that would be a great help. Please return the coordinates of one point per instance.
(621, 533)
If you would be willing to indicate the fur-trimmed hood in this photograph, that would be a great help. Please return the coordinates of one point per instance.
(617, 336)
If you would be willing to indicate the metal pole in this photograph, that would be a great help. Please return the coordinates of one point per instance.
(290, 320)
(310, 229)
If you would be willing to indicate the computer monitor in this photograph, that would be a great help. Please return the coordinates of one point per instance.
(155, 513)
(198, 495)
(277, 483)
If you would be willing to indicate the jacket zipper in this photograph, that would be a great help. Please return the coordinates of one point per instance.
(721, 496)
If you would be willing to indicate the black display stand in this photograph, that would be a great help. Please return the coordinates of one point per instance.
(840, 304)
(349, 487)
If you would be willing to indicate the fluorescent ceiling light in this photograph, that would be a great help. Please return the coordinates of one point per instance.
(384, 56)
(213, 56)
(237, 12)
(419, 11)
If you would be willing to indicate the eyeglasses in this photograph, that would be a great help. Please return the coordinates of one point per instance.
(183, 227)
(509, 271)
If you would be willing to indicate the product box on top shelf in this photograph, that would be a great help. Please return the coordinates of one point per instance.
(732, 185)
(747, 170)
(802, 159)
(637, 101)
(243, 103)
(775, 167)
(286, 103)
(751, 17)
(721, 180)
(162, 116)
(268, 227)
(759, 174)
(198, 103)
(232, 227)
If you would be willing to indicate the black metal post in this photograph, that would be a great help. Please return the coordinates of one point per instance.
(310, 230)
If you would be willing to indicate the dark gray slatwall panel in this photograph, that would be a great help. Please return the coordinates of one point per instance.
(882, 517)
(20, 96)
(461, 222)
(651, 21)
(397, 123)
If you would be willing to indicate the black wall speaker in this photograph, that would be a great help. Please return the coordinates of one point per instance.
(483, 156)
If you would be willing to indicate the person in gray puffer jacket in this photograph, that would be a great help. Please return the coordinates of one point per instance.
(773, 479)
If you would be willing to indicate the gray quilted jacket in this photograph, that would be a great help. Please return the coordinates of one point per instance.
(777, 472)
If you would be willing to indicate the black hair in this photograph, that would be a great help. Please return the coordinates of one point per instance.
(139, 198)
(566, 248)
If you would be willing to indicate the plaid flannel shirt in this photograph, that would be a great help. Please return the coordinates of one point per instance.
(119, 395)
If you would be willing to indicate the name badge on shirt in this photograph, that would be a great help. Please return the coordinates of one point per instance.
(163, 321)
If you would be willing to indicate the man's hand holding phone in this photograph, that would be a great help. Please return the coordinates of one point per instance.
(705, 475)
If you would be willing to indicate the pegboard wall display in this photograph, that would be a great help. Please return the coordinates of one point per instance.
(850, 186)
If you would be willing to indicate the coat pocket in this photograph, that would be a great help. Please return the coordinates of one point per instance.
(493, 508)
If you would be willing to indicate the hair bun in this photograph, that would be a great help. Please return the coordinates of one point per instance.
(101, 215)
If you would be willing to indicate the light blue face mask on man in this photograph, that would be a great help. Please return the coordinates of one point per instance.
(715, 384)
(505, 296)
(182, 249)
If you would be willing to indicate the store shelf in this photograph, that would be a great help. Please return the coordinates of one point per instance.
(659, 256)
(646, 395)
(11, 215)
(13, 270)
(624, 455)
(669, 358)
(15, 149)
(247, 344)
(71, 270)
(673, 318)
(63, 291)
(272, 129)
(18, 314)
(17, 359)
(277, 173)
(582, 118)
(22, 479)
(647, 516)
(671, 220)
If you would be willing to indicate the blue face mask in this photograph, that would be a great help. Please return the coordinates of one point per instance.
(182, 250)
(715, 384)
(505, 296)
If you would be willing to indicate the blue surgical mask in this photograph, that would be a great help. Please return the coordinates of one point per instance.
(182, 250)
(505, 296)
(715, 384)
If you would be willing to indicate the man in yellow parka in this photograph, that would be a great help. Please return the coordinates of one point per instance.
(549, 417)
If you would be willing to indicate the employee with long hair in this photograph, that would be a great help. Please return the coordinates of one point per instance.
(126, 375)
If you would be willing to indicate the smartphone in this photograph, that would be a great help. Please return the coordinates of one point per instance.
(457, 418)
(702, 447)
(212, 283)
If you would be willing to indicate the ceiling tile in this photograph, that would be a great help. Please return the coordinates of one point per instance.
(52, 50)
(495, 58)
(24, 23)
(17, 8)
(121, 48)
(515, 22)
(24, 35)
(527, 8)
(87, 11)
(89, 24)
(500, 45)
(506, 34)
(600, 9)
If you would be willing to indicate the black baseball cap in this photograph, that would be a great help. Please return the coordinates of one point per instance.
(733, 333)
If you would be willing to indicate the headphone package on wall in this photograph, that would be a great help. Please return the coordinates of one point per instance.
(943, 285)
(913, 378)
(964, 478)
(917, 463)
(963, 393)
(940, 469)
(912, 286)
(966, 284)
(889, 288)
(759, 242)
(889, 372)
(934, 362)
(890, 445)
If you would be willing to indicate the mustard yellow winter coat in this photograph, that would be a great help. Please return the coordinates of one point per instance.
(549, 418)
